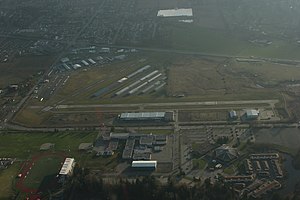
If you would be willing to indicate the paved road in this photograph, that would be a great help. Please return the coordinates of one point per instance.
(206, 103)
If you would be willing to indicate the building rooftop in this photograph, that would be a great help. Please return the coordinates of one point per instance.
(252, 112)
(67, 166)
(226, 153)
(142, 115)
(144, 163)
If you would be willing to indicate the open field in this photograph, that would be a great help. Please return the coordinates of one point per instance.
(22, 145)
(6, 181)
(22, 68)
(42, 171)
(68, 142)
(285, 139)
(260, 28)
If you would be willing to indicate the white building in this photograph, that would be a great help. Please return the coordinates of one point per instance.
(144, 164)
(252, 114)
(68, 166)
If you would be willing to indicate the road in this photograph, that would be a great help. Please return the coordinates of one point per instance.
(205, 103)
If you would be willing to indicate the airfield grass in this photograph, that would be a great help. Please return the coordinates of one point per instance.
(22, 145)
(30, 116)
(46, 166)
(7, 178)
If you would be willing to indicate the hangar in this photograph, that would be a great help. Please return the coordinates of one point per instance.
(147, 116)
(144, 164)
(143, 116)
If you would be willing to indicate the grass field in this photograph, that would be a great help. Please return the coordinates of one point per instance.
(199, 163)
(285, 139)
(22, 68)
(22, 145)
(6, 181)
(45, 167)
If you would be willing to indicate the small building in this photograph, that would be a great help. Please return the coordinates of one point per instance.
(252, 114)
(233, 115)
(239, 179)
(146, 140)
(120, 136)
(144, 164)
(160, 140)
(65, 59)
(85, 146)
(13, 87)
(6, 162)
(68, 166)
(46, 146)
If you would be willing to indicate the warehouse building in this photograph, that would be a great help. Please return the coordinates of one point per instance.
(147, 116)
(252, 114)
(144, 164)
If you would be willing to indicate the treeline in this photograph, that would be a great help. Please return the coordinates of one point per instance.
(83, 186)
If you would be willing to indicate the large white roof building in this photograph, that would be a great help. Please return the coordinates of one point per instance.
(68, 166)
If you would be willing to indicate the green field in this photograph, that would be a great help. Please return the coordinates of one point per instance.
(7, 178)
(45, 167)
(199, 164)
(24, 145)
